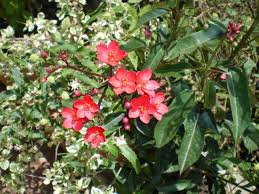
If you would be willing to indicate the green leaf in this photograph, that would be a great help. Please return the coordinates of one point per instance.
(209, 94)
(192, 142)
(249, 65)
(80, 76)
(114, 122)
(152, 14)
(167, 128)
(171, 69)
(17, 76)
(192, 42)
(237, 85)
(133, 44)
(155, 57)
(251, 138)
(131, 156)
(177, 186)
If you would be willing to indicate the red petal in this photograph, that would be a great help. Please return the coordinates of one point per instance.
(121, 74)
(145, 118)
(114, 45)
(94, 108)
(114, 82)
(80, 113)
(162, 108)
(79, 103)
(89, 115)
(67, 123)
(158, 98)
(121, 54)
(149, 92)
(144, 75)
(151, 85)
(101, 48)
(78, 125)
(67, 112)
(130, 88)
(133, 113)
(118, 90)
(157, 115)
(131, 76)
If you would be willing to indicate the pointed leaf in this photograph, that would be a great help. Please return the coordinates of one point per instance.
(166, 129)
(131, 156)
(209, 94)
(192, 42)
(152, 14)
(239, 101)
(155, 57)
(192, 142)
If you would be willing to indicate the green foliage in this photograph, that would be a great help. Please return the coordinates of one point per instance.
(208, 138)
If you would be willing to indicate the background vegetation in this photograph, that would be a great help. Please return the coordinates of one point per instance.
(206, 143)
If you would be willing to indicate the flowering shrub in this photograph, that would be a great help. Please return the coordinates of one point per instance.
(131, 97)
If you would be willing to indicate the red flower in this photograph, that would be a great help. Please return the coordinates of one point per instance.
(142, 108)
(95, 136)
(123, 81)
(233, 30)
(110, 54)
(144, 84)
(86, 107)
(160, 107)
(71, 119)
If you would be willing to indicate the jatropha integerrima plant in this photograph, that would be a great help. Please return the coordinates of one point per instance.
(145, 101)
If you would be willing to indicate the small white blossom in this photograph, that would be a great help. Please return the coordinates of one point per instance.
(74, 85)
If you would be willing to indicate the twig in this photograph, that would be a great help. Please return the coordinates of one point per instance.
(56, 151)
(36, 176)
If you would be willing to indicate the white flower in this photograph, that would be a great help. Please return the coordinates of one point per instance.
(74, 84)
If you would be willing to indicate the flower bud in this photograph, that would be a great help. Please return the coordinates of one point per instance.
(63, 56)
(127, 105)
(43, 80)
(77, 93)
(96, 91)
(223, 76)
(127, 127)
(125, 120)
(44, 55)
(48, 70)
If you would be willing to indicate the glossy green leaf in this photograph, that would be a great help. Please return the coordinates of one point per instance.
(177, 186)
(171, 69)
(192, 42)
(237, 85)
(155, 57)
(209, 94)
(133, 44)
(131, 156)
(152, 14)
(192, 142)
(167, 128)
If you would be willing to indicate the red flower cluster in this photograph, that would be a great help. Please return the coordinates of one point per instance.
(149, 103)
(82, 111)
(110, 54)
(130, 81)
(233, 30)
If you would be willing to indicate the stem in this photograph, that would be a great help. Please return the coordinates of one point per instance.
(83, 71)
(213, 175)
(215, 52)
(246, 36)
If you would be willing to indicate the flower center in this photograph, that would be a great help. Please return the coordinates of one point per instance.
(141, 109)
(124, 82)
(111, 56)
